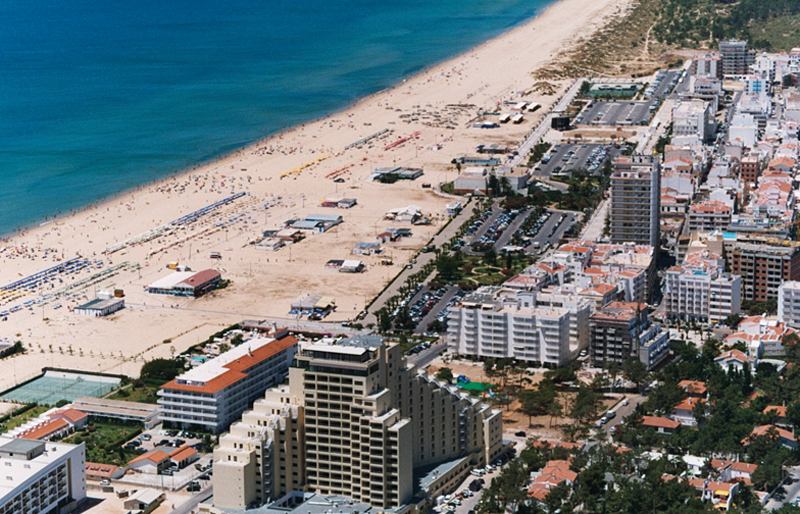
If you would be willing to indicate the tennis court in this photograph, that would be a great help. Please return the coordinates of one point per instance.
(55, 386)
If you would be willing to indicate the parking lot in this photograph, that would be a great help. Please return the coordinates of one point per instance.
(437, 308)
(548, 230)
(162, 438)
(631, 112)
(563, 158)
(427, 305)
(486, 232)
(615, 113)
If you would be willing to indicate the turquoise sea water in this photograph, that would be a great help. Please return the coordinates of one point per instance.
(100, 96)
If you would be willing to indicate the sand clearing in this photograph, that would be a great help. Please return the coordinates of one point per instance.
(424, 122)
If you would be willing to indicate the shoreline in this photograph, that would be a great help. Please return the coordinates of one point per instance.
(425, 120)
(225, 155)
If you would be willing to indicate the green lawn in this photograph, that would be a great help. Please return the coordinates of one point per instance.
(104, 441)
(20, 419)
(144, 392)
(481, 274)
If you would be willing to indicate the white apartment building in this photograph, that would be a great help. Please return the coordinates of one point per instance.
(700, 290)
(488, 323)
(743, 130)
(214, 394)
(789, 303)
(40, 476)
(578, 307)
(355, 422)
(692, 122)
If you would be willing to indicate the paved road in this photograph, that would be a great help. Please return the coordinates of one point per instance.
(295, 324)
(593, 230)
(425, 357)
(189, 505)
(791, 490)
(539, 132)
(622, 411)
(426, 320)
(422, 259)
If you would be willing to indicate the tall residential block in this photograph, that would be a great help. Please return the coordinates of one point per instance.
(635, 200)
(763, 267)
(789, 303)
(355, 422)
(700, 290)
(487, 323)
(735, 56)
(622, 331)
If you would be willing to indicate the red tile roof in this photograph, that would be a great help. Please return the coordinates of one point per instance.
(183, 453)
(764, 430)
(779, 410)
(74, 416)
(45, 430)
(552, 474)
(155, 456)
(732, 355)
(693, 386)
(688, 404)
(237, 370)
(202, 277)
(100, 470)
(659, 422)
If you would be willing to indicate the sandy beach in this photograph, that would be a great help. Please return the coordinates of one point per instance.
(424, 122)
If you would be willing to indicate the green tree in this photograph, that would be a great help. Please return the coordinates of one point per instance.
(635, 371)
(586, 405)
(161, 369)
(445, 375)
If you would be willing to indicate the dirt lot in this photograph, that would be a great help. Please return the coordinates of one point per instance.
(513, 419)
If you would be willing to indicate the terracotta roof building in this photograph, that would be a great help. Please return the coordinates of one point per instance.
(57, 425)
(660, 424)
(553, 474)
(214, 394)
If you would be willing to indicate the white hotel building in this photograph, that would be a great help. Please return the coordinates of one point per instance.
(699, 290)
(214, 394)
(491, 323)
(40, 477)
(789, 303)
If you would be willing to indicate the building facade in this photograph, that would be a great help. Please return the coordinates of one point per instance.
(488, 324)
(709, 215)
(763, 267)
(214, 394)
(41, 477)
(789, 303)
(622, 331)
(735, 56)
(635, 200)
(700, 290)
(355, 422)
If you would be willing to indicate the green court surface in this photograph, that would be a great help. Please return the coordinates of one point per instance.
(51, 388)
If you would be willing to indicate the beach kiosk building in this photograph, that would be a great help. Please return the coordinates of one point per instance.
(100, 307)
(186, 283)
